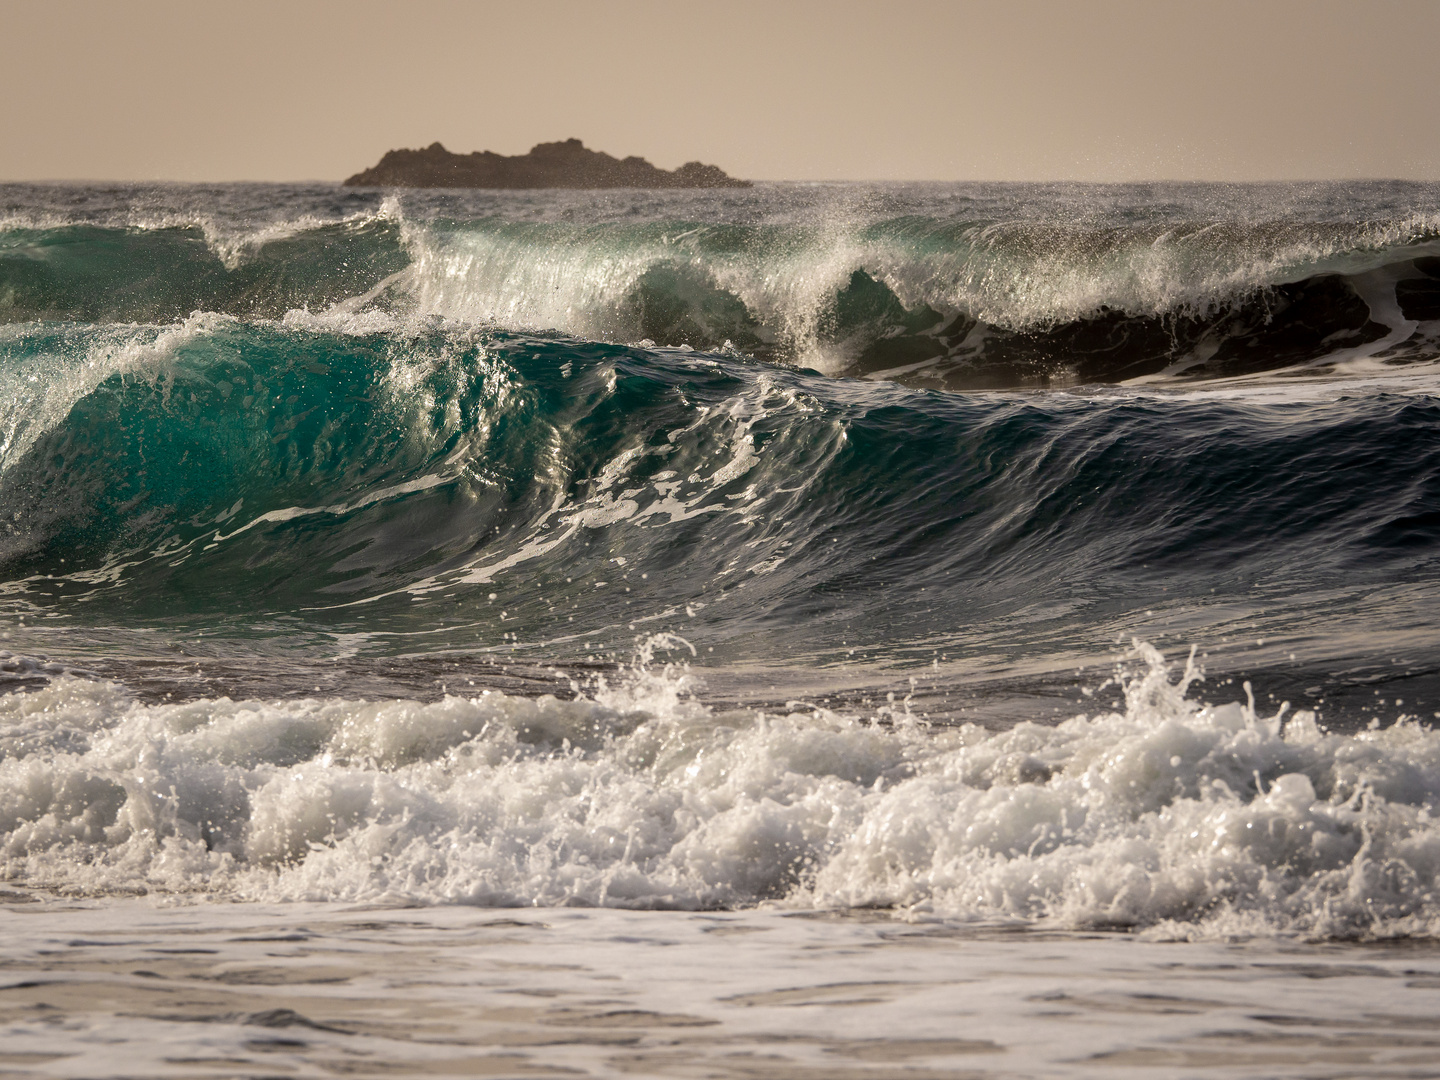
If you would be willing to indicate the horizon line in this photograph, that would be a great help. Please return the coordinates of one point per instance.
(758, 180)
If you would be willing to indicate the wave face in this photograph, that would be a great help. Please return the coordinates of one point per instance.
(352, 449)
(423, 482)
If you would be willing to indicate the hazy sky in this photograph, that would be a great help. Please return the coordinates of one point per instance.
(850, 89)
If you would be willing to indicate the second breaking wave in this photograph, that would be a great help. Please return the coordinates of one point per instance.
(955, 292)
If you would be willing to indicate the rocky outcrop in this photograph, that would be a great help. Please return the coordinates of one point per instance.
(565, 164)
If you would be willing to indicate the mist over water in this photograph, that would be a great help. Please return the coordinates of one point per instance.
(892, 473)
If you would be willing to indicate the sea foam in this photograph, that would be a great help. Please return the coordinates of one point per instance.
(1188, 818)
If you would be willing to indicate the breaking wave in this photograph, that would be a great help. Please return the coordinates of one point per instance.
(963, 299)
(364, 476)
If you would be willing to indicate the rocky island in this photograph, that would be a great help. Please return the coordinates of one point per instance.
(567, 164)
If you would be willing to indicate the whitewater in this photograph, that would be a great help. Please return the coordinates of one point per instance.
(848, 630)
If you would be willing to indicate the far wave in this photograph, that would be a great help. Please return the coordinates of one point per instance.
(956, 287)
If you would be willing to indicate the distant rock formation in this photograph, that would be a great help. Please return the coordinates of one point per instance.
(565, 164)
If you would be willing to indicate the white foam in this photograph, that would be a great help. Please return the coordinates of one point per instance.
(1019, 275)
(1196, 820)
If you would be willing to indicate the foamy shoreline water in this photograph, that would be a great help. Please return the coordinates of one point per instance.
(1197, 818)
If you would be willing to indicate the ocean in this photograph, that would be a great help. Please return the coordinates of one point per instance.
(813, 630)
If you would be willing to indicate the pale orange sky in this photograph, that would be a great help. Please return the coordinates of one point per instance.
(260, 90)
